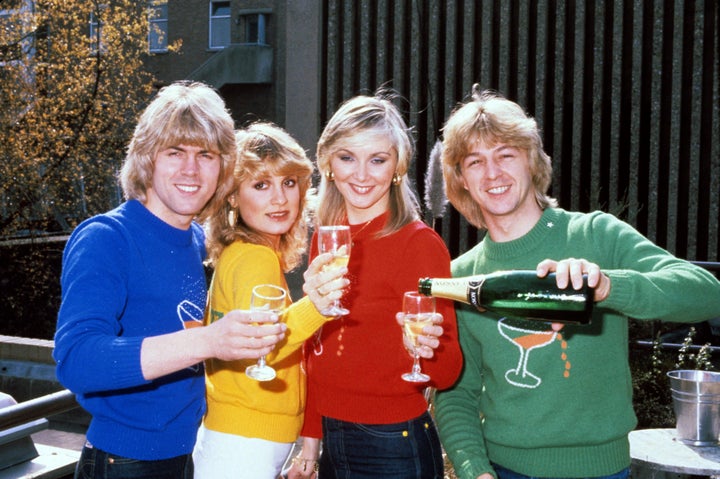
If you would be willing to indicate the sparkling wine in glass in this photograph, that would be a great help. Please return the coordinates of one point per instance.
(335, 239)
(419, 311)
(266, 298)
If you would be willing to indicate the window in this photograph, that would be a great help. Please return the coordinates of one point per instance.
(219, 24)
(253, 27)
(158, 23)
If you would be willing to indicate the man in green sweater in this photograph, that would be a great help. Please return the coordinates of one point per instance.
(534, 399)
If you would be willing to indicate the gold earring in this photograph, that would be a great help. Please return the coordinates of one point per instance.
(397, 179)
(330, 175)
(231, 217)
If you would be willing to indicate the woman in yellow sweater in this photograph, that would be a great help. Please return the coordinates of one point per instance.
(260, 234)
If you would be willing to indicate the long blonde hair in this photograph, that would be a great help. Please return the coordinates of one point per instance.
(359, 114)
(491, 119)
(265, 149)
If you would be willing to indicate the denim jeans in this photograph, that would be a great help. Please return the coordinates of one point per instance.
(504, 473)
(406, 450)
(97, 464)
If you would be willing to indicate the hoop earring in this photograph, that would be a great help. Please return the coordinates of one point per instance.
(397, 179)
(231, 217)
(330, 175)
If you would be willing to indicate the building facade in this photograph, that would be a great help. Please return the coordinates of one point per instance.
(262, 55)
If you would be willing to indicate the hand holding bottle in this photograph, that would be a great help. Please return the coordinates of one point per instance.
(571, 271)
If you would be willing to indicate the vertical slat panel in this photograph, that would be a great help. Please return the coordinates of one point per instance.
(349, 38)
(646, 168)
(688, 158)
(667, 188)
(418, 53)
(559, 118)
(675, 43)
(635, 35)
(709, 142)
(367, 29)
(467, 45)
(333, 67)
(616, 59)
(593, 92)
(383, 53)
(521, 22)
(625, 92)
(400, 46)
(584, 101)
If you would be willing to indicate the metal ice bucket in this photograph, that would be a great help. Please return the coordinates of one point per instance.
(696, 401)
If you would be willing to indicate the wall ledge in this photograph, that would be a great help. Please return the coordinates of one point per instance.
(27, 349)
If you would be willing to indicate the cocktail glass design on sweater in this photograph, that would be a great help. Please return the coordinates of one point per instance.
(526, 340)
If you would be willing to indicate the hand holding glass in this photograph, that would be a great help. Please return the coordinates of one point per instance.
(267, 298)
(335, 240)
(419, 311)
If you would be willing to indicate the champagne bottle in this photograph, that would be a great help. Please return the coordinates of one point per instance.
(516, 293)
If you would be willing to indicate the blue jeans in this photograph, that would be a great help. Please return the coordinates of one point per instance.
(406, 450)
(97, 464)
(505, 473)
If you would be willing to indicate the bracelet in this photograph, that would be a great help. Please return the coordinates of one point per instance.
(303, 462)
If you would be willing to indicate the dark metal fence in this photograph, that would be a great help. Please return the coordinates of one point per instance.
(627, 93)
(37, 408)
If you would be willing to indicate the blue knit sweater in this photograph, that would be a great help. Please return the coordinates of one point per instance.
(128, 275)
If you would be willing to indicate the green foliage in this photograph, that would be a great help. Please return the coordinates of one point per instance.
(651, 387)
(70, 101)
(30, 285)
(70, 98)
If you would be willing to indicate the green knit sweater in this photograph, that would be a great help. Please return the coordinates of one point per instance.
(561, 406)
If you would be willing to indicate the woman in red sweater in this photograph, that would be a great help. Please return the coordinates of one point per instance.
(373, 424)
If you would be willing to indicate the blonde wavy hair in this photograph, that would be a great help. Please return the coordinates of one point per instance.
(359, 114)
(264, 149)
(188, 113)
(491, 119)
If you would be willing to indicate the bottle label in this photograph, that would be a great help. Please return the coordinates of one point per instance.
(473, 292)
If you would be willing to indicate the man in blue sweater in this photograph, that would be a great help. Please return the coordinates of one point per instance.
(133, 290)
(534, 399)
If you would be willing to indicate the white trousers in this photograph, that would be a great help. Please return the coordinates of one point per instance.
(218, 455)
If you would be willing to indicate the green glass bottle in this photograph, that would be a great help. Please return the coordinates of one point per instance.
(516, 293)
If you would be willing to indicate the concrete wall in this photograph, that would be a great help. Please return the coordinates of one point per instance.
(27, 371)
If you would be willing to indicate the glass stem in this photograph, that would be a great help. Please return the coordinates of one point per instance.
(416, 363)
(261, 362)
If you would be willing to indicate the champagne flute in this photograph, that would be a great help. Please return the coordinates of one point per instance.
(419, 311)
(336, 240)
(266, 298)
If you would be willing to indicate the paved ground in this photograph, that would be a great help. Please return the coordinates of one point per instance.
(67, 439)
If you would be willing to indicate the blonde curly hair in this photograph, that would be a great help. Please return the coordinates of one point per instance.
(265, 149)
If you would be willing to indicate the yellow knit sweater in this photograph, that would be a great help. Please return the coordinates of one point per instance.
(237, 404)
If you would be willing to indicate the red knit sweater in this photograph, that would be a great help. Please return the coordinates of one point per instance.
(355, 363)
